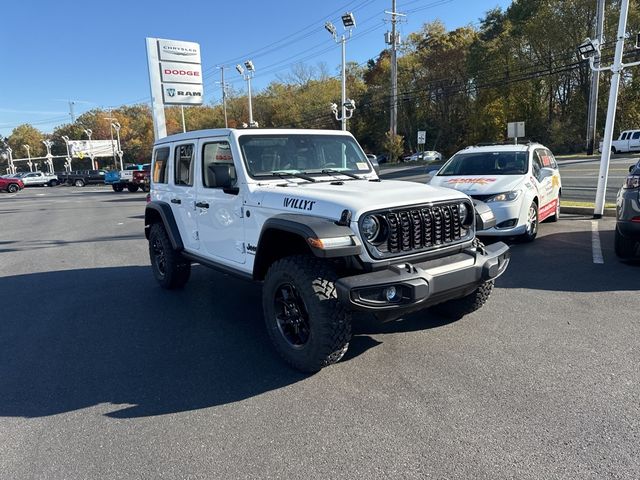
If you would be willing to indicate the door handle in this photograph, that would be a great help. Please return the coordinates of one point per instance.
(202, 205)
(176, 200)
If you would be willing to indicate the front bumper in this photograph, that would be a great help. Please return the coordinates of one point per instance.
(424, 284)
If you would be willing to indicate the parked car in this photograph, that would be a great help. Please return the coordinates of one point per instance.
(133, 178)
(428, 156)
(521, 184)
(628, 141)
(11, 184)
(627, 234)
(80, 178)
(31, 179)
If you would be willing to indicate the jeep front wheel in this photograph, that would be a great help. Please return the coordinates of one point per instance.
(309, 328)
(170, 269)
(459, 307)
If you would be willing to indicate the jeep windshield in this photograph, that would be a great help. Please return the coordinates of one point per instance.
(296, 154)
(486, 163)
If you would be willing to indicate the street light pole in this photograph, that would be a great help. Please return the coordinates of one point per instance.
(89, 132)
(591, 48)
(68, 162)
(28, 149)
(12, 167)
(250, 71)
(346, 106)
(224, 96)
(49, 161)
(116, 126)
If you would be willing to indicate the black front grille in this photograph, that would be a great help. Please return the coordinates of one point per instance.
(421, 228)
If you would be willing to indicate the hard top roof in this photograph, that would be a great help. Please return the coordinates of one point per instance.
(225, 132)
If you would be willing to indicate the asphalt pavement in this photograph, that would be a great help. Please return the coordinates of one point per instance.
(105, 375)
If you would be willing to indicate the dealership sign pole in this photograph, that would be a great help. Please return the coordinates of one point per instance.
(175, 78)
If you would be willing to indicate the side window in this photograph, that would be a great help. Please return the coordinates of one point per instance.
(624, 136)
(160, 161)
(217, 162)
(636, 135)
(537, 164)
(183, 165)
(553, 163)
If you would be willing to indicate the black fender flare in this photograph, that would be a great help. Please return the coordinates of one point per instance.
(157, 209)
(307, 227)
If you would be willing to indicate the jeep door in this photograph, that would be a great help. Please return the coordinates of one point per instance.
(219, 205)
(182, 195)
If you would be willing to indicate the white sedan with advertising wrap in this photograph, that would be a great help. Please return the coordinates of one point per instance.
(521, 184)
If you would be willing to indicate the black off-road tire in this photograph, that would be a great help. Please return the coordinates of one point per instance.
(169, 268)
(132, 188)
(625, 247)
(79, 182)
(117, 187)
(53, 183)
(13, 188)
(460, 307)
(328, 321)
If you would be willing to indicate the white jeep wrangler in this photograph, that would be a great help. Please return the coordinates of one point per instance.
(304, 212)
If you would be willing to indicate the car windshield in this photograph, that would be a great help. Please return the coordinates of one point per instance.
(486, 163)
(274, 155)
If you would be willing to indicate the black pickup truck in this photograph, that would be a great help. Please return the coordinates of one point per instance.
(80, 178)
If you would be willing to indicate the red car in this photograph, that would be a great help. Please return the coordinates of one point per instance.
(11, 184)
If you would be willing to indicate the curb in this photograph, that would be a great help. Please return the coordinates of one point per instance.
(608, 212)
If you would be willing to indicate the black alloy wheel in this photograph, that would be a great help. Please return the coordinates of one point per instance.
(291, 315)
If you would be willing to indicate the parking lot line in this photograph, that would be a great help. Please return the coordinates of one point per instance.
(595, 243)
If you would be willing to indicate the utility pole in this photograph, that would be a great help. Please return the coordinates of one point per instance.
(113, 148)
(224, 96)
(595, 79)
(393, 41)
(71, 114)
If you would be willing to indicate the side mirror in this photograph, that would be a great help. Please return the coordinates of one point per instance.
(224, 176)
(375, 165)
(546, 172)
(484, 216)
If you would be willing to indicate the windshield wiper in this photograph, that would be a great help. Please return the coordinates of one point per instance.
(331, 171)
(290, 174)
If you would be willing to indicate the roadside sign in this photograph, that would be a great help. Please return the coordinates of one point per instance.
(422, 137)
(515, 130)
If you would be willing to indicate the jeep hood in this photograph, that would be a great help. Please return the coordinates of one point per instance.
(478, 184)
(329, 199)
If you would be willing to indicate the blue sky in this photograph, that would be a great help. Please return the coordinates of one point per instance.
(94, 52)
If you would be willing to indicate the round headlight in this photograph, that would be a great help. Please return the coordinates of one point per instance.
(465, 217)
(370, 227)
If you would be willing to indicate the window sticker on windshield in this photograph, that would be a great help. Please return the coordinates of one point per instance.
(361, 166)
(481, 181)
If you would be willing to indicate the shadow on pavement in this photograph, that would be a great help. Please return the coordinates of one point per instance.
(112, 336)
(564, 262)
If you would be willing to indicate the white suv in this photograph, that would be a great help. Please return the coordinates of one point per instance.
(521, 184)
(303, 212)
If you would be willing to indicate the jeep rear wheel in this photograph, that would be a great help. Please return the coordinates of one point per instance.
(170, 269)
(309, 328)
